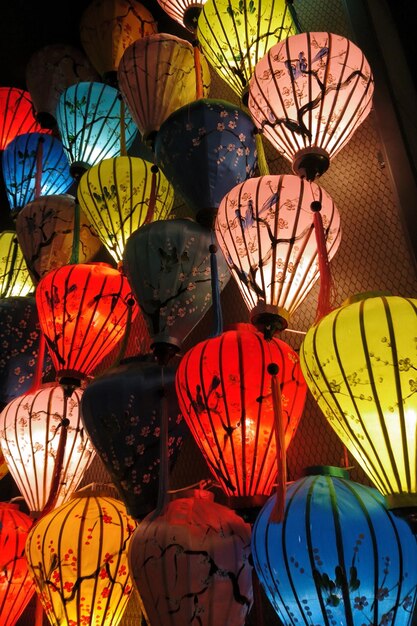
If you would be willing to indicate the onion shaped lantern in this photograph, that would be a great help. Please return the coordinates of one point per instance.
(185, 12)
(193, 560)
(206, 148)
(34, 164)
(338, 557)
(266, 229)
(16, 115)
(225, 389)
(78, 559)
(50, 229)
(108, 27)
(157, 75)
(45, 446)
(308, 95)
(16, 584)
(15, 279)
(367, 394)
(235, 34)
(94, 125)
(122, 413)
(119, 195)
(49, 71)
(83, 312)
(168, 266)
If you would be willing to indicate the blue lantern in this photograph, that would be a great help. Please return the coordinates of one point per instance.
(94, 125)
(204, 149)
(339, 557)
(34, 164)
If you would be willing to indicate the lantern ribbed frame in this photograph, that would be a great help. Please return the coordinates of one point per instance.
(15, 279)
(16, 115)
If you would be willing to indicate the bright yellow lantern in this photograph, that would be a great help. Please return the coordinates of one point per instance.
(15, 279)
(360, 365)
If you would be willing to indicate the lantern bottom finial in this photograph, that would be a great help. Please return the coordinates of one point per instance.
(164, 351)
(310, 163)
(247, 507)
(190, 17)
(46, 120)
(269, 319)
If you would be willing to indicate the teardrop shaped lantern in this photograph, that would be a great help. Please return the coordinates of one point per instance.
(119, 195)
(193, 560)
(338, 557)
(235, 34)
(16, 115)
(185, 12)
(49, 71)
(16, 584)
(34, 164)
(122, 413)
(205, 148)
(265, 227)
(167, 263)
(50, 229)
(367, 394)
(108, 27)
(45, 446)
(157, 75)
(78, 559)
(15, 279)
(225, 393)
(83, 311)
(308, 95)
(94, 125)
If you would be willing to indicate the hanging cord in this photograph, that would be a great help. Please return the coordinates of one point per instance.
(39, 167)
(297, 24)
(152, 195)
(277, 513)
(122, 128)
(163, 447)
(261, 158)
(123, 345)
(37, 377)
(75, 252)
(215, 291)
(198, 71)
(38, 611)
(323, 305)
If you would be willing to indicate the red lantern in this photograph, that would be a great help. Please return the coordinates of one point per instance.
(83, 312)
(16, 115)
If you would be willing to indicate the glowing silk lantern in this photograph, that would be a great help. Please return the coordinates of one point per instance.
(119, 195)
(15, 279)
(49, 71)
(226, 395)
(45, 446)
(367, 394)
(338, 557)
(34, 164)
(193, 560)
(205, 148)
(185, 12)
(83, 311)
(157, 75)
(167, 263)
(235, 34)
(92, 125)
(16, 115)
(16, 584)
(77, 556)
(50, 229)
(265, 227)
(108, 27)
(308, 95)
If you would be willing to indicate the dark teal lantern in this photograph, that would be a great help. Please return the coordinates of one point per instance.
(204, 149)
(339, 557)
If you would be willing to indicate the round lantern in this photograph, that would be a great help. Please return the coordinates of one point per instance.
(185, 12)
(15, 279)
(226, 394)
(167, 263)
(157, 75)
(16, 115)
(93, 125)
(338, 557)
(204, 149)
(50, 229)
(119, 195)
(367, 393)
(108, 27)
(44, 445)
(122, 412)
(308, 95)
(192, 563)
(83, 311)
(34, 165)
(49, 71)
(235, 34)
(265, 227)
(77, 557)
(16, 584)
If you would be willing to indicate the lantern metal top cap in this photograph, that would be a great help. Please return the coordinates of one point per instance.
(269, 319)
(310, 163)
(326, 470)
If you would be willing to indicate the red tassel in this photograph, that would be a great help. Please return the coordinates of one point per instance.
(198, 77)
(323, 305)
(38, 173)
(277, 513)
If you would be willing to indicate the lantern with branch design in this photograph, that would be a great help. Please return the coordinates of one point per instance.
(15, 279)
